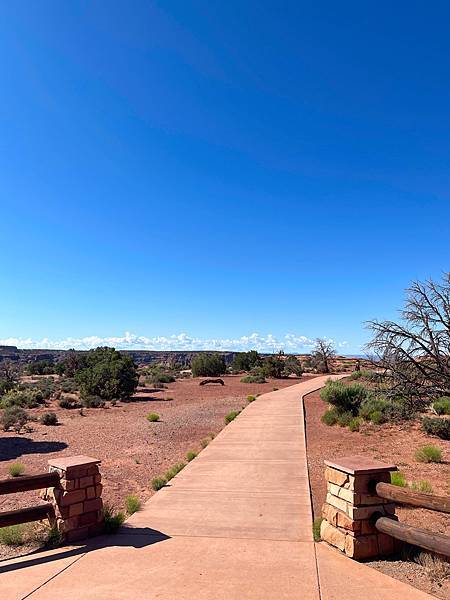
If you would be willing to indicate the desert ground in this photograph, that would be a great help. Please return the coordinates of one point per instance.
(391, 443)
(133, 451)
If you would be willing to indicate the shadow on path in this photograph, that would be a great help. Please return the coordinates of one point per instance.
(137, 537)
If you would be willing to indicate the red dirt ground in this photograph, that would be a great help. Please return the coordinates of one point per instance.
(392, 444)
(132, 450)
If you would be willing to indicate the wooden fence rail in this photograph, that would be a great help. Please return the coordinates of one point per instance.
(26, 515)
(30, 482)
(25, 484)
(412, 498)
(435, 542)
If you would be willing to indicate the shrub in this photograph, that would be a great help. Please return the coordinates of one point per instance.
(354, 424)
(442, 405)
(93, 402)
(398, 478)
(24, 398)
(292, 366)
(107, 374)
(152, 417)
(69, 402)
(316, 528)
(422, 486)
(49, 418)
(246, 361)
(355, 375)
(133, 504)
(429, 454)
(344, 419)
(273, 367)
(251, 398)
(204, 442)
(174, 471)
(14, 417)
(16, 469)
(231, 416)
(68, 385)
(13, 535)
(345, 398)
(374, 409)
(113, 519)
(40, 367)
(330, 417)
(158, 483)
(191, 455)
(438, 427)
(208, 365)
(253, 379)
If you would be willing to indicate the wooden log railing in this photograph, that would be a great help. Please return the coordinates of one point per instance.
(434, 542)
(30, 482)
(412, 498)
(25, 484)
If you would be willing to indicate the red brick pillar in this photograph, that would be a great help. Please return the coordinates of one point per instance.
(78, 498)
(350, 504)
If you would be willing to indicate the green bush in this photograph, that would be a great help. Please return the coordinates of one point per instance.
(93, 402)
(15, 418)
(398, 478)
(354, 424)
(23, 398)
(13, 535)
(355, 375)
(273, 367)
(251, 398)
(191, 455)
(174, 471)
(374, 409)
(49, 418)
(68, 386)
(345, 398)
(152, 417)
(107, 374)
(422, 486)
(113, 519)
(438, 427)
(158, 483)
(208, 365)
(231, 416)
(16, 469)
(442, 405)
(133, 504)
(429, 454)
(40, 367)
(330, 417)
(69, 403)
(246, 361)
(204, 442)
(344, 419)
(292, 366)
(253, 379)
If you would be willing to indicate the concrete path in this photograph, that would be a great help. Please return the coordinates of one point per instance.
(234, 524)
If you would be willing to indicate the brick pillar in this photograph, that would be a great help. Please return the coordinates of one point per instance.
(78, 498)
(351, 502)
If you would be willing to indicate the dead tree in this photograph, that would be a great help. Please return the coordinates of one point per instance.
(415, 352)
(322, 354)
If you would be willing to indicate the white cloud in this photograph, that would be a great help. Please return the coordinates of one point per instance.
(182, 341)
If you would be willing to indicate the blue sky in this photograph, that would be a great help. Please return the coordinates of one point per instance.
(195, 172)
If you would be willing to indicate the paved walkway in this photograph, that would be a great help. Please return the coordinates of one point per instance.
(235, 524)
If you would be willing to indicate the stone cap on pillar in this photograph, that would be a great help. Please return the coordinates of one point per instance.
(359, 465)
(66, 463)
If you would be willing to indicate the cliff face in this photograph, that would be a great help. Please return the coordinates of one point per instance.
(141, 357)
